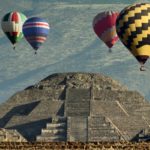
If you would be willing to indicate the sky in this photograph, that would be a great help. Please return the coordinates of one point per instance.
(71, 46)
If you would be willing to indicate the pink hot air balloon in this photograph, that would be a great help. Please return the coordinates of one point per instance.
(104, 25)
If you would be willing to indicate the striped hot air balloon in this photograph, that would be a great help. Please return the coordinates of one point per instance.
(12, 26)
(133, 28)
(35, 30)
(104, 25)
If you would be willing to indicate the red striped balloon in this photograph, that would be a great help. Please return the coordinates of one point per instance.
(104, 25)
(36, 30)
(12, 26)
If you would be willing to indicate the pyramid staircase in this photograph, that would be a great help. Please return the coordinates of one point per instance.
(55, 131)
(100, 129)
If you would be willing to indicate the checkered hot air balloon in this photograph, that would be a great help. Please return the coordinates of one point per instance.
(104, 25)
(133, 29)
(12, 26)
(35, 30)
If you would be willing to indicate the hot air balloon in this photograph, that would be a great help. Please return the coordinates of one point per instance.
(35, 30)
(12, 26)
(133, 29)
(104, 25)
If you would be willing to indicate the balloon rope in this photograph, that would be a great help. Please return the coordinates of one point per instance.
(145, 68)
(142, 68)
(110, 50)
(14, 47)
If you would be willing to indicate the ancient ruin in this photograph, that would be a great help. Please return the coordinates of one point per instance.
(81, 107)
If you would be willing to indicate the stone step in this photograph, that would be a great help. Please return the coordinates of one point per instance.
(102, 131)
(105, 138)
(52, 134)
(77, 101)
(79, 113)
(55, 125)
(59, 119)
(134, 107)
(102, 125)
(54, 131)
(141, 111)
(131, 120)
(97, 119)
(76, 110)
(78, 104)
(127, 128)
(132, 126)
(46, 132)
(47, 139)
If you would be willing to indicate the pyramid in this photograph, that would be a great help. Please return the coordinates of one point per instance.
(77, 106)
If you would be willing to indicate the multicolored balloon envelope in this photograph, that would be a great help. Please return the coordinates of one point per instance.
(12, 26)
(104, 25)
(35, 30)
(133, 28)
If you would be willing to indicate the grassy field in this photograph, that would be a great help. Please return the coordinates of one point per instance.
(74, 145)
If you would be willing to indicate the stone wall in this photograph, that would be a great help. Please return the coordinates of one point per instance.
(11, 136)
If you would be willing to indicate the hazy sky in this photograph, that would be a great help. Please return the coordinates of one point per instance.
(71, 46)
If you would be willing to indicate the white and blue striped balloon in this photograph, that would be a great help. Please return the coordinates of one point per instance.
(35, 31)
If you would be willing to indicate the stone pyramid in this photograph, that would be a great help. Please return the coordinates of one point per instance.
(77, 107)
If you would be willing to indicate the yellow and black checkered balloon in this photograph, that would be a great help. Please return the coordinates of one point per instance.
(133, 29)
